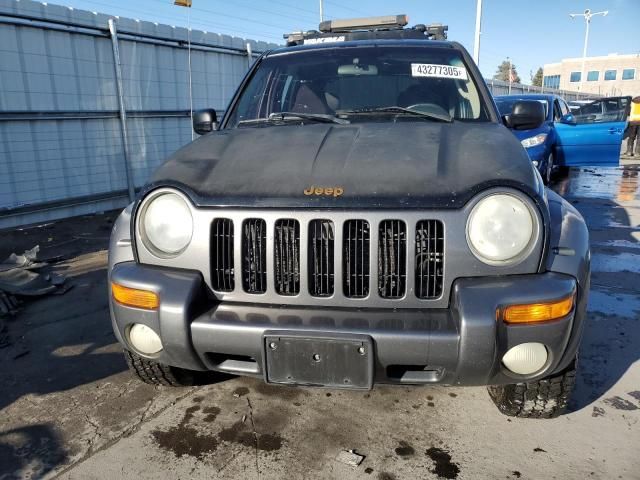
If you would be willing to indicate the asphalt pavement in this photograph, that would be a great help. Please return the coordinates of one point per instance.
(69, 408)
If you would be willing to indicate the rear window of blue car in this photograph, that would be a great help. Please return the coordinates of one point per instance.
(505, 105)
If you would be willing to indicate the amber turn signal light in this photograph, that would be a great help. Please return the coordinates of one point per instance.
(132, 297)
(536, 312)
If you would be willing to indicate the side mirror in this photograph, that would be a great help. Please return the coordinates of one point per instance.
(204, 121)
(568, 119)
(526, 115)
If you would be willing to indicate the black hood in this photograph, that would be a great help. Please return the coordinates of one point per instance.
(377, 165)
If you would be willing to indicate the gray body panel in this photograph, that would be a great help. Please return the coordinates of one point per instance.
(459, 260)
(460, 344)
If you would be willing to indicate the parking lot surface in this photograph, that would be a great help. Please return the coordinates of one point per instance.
(69, 408)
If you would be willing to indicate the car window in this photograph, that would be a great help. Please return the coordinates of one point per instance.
(557, 112)
(334, 81)
(505, 104)
(564, 108)
(602, 111)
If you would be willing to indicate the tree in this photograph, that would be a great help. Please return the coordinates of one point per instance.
(536, 80)
(503, 72)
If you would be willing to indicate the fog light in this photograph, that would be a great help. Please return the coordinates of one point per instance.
(526, 358)
(144, 339)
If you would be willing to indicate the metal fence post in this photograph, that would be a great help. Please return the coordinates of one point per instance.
(123, 113)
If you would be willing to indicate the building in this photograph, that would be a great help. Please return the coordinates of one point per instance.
(611, 75)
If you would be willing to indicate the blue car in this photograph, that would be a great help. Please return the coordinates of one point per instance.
(566, 139)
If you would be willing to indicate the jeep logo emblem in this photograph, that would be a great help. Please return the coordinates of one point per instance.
(325, 191)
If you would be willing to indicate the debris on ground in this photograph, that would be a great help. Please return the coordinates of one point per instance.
(350, 457)
(22, 276)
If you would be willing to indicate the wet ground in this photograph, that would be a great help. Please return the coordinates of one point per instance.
(69, 409)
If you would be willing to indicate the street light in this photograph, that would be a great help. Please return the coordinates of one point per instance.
(588, 14)
(476, 44)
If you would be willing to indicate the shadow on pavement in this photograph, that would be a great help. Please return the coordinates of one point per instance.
(30, 452)
(55, 344)
(611, 341)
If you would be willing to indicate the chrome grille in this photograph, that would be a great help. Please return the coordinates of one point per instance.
(356, 244)
(254, 255)
(321, 267)
(429, 262)
(392, 259)
(287, 257)
(223, 277)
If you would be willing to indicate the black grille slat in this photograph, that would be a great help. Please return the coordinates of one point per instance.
(254, 255)
(429, 262)
(355, 261)
(320, 261)
(392, 259)
(287, 257)
(222, 271)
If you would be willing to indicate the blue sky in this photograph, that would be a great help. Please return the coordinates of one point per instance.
(531, 33)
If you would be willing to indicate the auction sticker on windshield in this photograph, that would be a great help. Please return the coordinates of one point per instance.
(438, 71)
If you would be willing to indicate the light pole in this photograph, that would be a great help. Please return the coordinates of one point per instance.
(321, 12)
(588, 14)
(476, 45)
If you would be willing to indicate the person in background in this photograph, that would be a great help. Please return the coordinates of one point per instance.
(633, 130)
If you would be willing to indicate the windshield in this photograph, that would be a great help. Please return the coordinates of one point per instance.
(361, 84)
(505, 105)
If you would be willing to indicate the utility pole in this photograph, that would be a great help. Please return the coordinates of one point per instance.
(321, 12)
(510, 76)
(476, 45)
(588, 14)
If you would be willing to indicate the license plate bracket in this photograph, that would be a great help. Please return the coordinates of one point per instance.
(335, 361)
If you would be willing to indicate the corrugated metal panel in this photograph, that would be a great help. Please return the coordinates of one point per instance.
(43, 69)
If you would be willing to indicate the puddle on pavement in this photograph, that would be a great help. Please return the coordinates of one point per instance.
(620, 262)
(614, 303)
(620, 184)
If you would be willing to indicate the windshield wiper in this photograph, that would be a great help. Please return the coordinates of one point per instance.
(398, 110)
(284, 117)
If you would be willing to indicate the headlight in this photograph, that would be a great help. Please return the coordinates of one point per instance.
(501, 229)
(534, 141)
(166, 225)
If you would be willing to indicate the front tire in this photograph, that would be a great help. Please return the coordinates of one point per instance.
(546, 398)
(155, 373)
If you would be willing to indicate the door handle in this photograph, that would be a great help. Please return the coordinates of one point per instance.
(613, 131)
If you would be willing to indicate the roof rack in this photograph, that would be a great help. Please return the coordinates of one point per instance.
(386, 27)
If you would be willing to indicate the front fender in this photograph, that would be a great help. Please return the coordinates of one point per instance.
(568, 240)
(120, 250)
(569, 253)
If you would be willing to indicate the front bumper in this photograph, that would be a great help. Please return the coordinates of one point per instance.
(459, 345)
